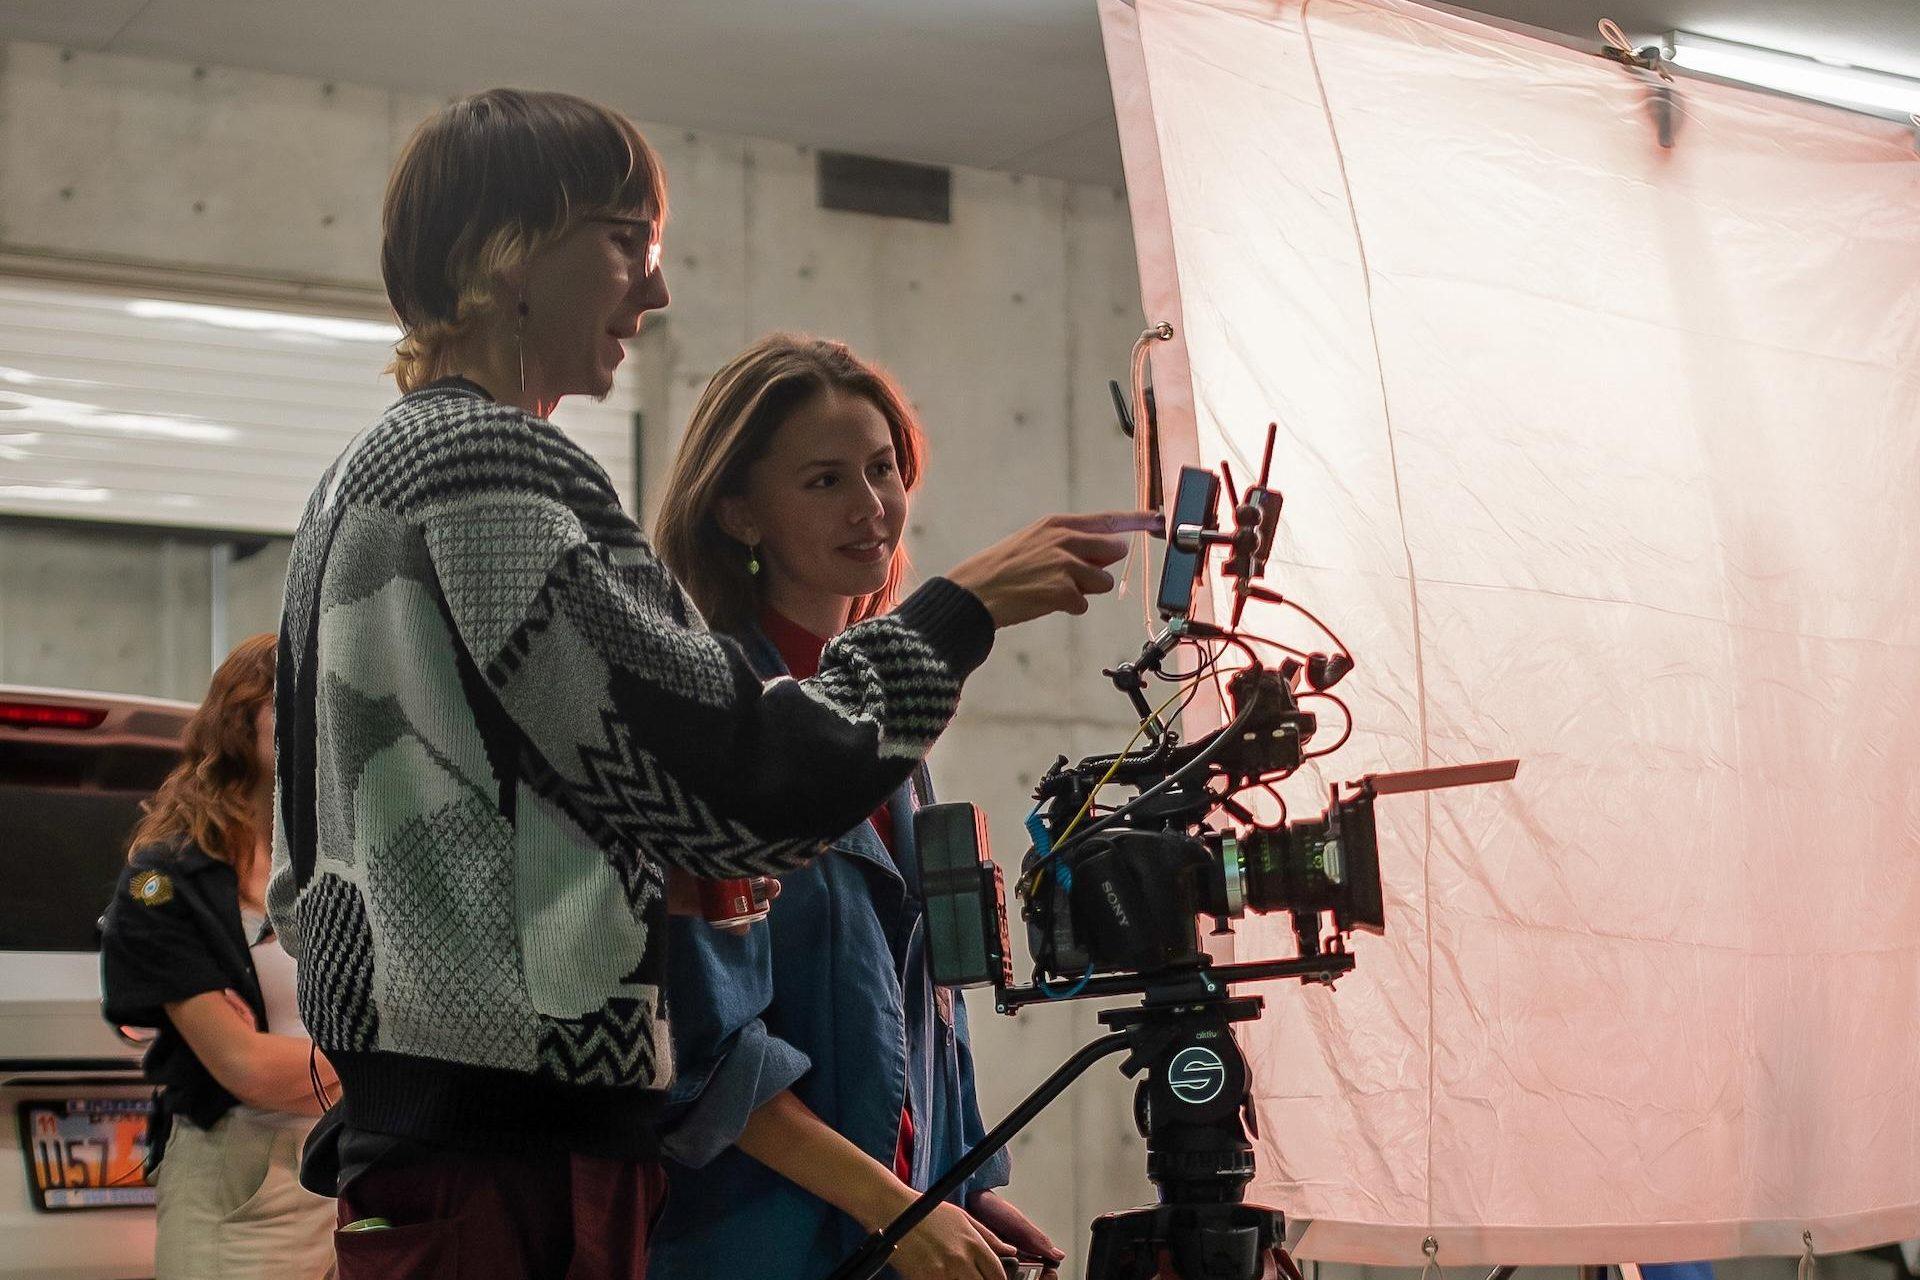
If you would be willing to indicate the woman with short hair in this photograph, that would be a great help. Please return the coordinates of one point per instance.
(186, 949)
(501, 723)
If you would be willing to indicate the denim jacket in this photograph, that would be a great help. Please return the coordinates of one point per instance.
(831, 998)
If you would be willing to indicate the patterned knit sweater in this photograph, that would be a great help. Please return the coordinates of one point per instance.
(499, 721)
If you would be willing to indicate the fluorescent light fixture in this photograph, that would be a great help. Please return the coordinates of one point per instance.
(1880, 93)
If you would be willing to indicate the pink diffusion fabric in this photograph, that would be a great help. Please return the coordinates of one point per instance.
(1604, 455)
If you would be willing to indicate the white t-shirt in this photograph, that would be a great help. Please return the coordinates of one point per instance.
(274, 968)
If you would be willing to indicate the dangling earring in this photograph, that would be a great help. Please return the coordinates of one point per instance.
(520, 345)
(753, 561)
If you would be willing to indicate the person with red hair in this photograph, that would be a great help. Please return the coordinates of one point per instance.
(187, 950)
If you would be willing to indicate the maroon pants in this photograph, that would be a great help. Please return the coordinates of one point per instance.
(523, 1217)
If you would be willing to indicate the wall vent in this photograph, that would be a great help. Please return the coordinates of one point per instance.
(889, 188)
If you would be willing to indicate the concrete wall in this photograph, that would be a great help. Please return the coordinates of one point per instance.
(1003, 327)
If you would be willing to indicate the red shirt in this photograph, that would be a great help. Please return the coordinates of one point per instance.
(800, 650)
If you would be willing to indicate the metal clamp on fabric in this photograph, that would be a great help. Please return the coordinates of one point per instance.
(1650, 59)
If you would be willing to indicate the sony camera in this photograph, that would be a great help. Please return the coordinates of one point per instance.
(1113, 895)
(1118, 891)
(1125, 893)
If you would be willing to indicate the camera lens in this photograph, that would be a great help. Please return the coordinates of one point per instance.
(1232, 877)
(1263, 868)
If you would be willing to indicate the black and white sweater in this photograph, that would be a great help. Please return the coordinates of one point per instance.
(499, 721)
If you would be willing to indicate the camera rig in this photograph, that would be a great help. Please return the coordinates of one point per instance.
(1112, 897)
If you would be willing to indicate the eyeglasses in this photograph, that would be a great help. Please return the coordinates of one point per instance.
(646, 228)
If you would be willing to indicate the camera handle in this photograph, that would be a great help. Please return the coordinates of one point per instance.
(872, 1255)
(1192, 1108)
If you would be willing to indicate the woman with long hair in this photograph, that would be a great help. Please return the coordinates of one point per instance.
(187, 950)
(828, 1079)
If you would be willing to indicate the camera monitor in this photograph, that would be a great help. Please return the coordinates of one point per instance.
(1193, 516)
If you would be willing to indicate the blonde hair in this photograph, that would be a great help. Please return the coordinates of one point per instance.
(208, 796)
(483, 186)
(733, 425)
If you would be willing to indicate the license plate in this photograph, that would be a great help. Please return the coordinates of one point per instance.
(86, 1153)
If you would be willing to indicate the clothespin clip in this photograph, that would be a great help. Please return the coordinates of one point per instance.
(1809, 1265)
(1651, 61)
(1914, 120)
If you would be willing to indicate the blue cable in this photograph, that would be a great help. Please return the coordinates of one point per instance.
(1042, 843)
(1043, 846)
(1071, 991)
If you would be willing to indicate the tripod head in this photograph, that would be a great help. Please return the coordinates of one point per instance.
(1194, 1106)
(1193, 1102)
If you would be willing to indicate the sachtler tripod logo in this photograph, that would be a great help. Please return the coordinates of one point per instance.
(1196, 1075)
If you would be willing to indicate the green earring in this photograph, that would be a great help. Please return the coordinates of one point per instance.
(753, 560)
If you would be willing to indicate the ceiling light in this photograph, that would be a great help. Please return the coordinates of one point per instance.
(1880, 93)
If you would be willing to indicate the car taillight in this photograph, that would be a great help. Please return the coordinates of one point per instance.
(48, 715)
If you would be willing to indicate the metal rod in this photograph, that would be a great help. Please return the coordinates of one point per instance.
(1322, 968)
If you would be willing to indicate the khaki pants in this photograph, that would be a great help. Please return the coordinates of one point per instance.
(232, 1207)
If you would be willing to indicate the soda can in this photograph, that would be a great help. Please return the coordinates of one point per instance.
(733, 902)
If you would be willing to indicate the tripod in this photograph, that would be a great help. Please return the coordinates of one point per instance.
(1194, 1107)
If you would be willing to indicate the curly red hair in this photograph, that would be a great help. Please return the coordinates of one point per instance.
(207, 798)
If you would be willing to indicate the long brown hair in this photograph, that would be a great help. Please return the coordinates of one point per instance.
(484, 185)
(751, 397)
(207, 798)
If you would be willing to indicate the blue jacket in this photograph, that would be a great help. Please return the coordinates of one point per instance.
(831, 998)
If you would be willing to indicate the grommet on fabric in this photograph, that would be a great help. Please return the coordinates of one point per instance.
(1650, 59)
(1432, 1271)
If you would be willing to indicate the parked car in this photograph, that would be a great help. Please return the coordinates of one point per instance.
(74, 769)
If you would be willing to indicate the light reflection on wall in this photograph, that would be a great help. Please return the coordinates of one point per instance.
(18, 407)
(200, 412)
(282, 324)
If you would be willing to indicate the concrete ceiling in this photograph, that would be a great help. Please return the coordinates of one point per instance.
(1002, 84)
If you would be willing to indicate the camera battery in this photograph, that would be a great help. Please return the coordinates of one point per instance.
(966, 898)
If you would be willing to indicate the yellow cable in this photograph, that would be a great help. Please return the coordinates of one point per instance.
(1111, 769)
